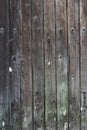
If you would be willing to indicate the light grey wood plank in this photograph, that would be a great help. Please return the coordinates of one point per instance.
(37, 65)
(74, 81)
(61, 65)
(83, 44)
(26, 66)
(50, 85)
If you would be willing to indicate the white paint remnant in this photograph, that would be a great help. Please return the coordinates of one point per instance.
(3, 123)
(25, 119)
(49, 63)
(10, 69)
(82, 108)
(54, 119)
(64, 113)
(39, 128)
(65, 126)
(35, 107)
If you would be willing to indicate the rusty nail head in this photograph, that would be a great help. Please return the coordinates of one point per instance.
(38, 29)
(72, 29)
(60, 57)
(14, 58)
(73, 76)
(14, 30)
(35, 18)
(48, 39)
(1, 30)
(60, 30)
(84, 29)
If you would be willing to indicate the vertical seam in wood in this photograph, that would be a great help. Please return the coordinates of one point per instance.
(79, 59)
(68, 60)
(44, 62)
(7, 2)
(32, 74)
(55, 65)
(20, 54)
(10, 110)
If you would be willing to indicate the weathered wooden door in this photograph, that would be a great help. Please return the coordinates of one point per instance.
(43, 64)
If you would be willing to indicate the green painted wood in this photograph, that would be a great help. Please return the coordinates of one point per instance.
(26, 66)
(15, 64)
(74, 81)
(50, 85)
(61, 65)
(83, 44)
(37, 65)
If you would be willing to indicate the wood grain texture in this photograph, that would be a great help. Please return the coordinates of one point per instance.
(50, 86)
(15, 64)
(37, 65)
(74, 81)
(43, 64)
(4, 62)
(61, 65)
(83, 44)
(26, 66)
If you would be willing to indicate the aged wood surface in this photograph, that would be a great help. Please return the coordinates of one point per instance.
(15, 63)
(74, 83)
(26, 66)
(43, 64)
(83, 43)
(50, 86)
(61, 65)
(4, 62)
(37, 65)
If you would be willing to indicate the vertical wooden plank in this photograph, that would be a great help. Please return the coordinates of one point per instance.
(6, 71)
(83, 44)
(26, 66)
(4, 63)
(37, 65)
(74, 81)
(61, 65)
(15, 63)
(50, 87)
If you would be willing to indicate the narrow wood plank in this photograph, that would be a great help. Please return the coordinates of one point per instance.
(15, 63)
(26, 66)
(74, 81)
(37, 65)
(50, 87)
(4, 62)
(2, 47)
(61, 65)
(6, 71)
(83, 44)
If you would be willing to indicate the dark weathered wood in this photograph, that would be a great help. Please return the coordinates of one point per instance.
(43, 64)
(50, 87)
(15, 63)
(74, 82)
(61, 65)
(83, 44)
(4, 62)
(26, 66)
(37, 65)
